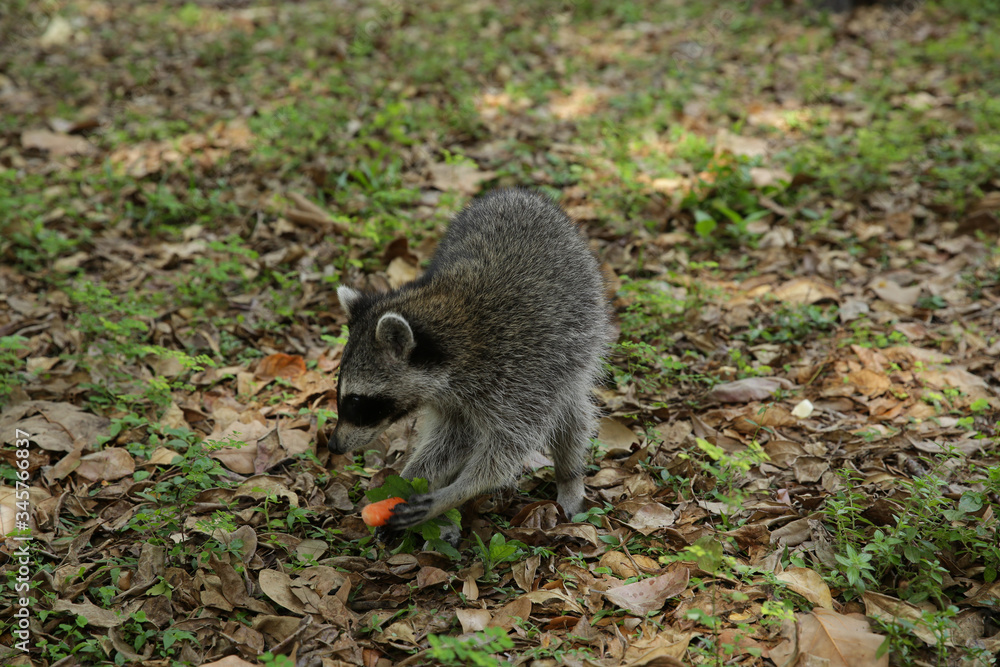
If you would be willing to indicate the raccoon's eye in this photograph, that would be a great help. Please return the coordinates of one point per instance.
(366, 410)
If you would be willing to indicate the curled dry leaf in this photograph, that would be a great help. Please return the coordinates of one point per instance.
(278, 587)
(888, 608)
(615, 435)
(651, 517)
(748, 389)
(106, 465)
(889, 290)
(808, 584)
(869, 382)
(473, 620)
(230, 661)
(828, 638)
(650, 594)
(96, 616)
(619, 564)
(805, 291)
(288, 366)
(510, 613)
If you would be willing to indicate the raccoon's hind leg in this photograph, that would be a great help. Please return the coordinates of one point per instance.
(570, 441)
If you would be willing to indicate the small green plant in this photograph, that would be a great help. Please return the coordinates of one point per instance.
(791, 324)
(856, 568)
(114, 331)
(478, 649)
(726, 470)
(11, 367)
(271, 660)
(499, 551)
(594, 515)
(72, 640)
(169, 499)
(218, 274)
(864, 334)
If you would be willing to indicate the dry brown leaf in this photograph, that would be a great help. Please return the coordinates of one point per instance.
(810, 468)
(230, 661)
(619, 564)
(615, 435)
(650, 594)
(869, 382)
(651, 517)
(464, 177)
(431, 576)
(401, 271)
(727, 142)
(106, 465)
(805, 291)
(748, 389)
(545, 597)
(665, 648)
(763, 177)
(506, 616)
(96, 616)
(288, 366)
(473, 620)
(808, 584)
(278, 586)
(524, 572)
(889, 290)
(834, 639)
(163, 456)
(57, 144)
(891, 609)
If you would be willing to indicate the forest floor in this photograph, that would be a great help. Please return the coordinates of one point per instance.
(798, 215)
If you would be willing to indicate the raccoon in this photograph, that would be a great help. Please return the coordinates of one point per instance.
(496, 347)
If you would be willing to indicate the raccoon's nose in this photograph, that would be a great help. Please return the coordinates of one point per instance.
(333, 444)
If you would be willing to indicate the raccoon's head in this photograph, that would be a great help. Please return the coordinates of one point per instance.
(384, 373)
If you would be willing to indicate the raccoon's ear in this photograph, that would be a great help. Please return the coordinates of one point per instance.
(348, 297)
(394, 333)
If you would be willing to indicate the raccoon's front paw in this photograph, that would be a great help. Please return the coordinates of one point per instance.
(387, 535)
(415, 511)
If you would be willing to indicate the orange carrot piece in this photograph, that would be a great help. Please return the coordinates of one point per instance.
(378, 513)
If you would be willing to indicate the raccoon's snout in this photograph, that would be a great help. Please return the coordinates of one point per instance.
(342, 441)
(348, 437)
(334, 443)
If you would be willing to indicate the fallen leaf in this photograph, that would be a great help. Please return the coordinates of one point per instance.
(748, 389)
(55, 143)
(831, 639)
(888, 608)
(889, 290)
(805, 291)
(650, 594)
(616, 435)
(464, 177)
(288, 366)
(869, 382)
(506, 616)
(96, 616)
(808, 584)
(727, 142)
(652, 517)
(473, 620)
(108, 464)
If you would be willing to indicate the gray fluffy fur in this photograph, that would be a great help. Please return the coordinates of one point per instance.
(496, 347)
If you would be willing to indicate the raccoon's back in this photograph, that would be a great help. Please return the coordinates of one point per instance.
(519, 290)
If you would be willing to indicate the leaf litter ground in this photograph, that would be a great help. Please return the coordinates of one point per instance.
(798, 218)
